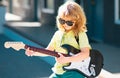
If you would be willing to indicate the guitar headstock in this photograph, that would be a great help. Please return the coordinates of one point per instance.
(15, 45)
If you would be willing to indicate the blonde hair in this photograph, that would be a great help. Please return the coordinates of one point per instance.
(74, 11)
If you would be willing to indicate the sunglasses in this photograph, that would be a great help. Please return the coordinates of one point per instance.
(69, 23)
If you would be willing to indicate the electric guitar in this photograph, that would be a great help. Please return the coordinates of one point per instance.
(90, 67)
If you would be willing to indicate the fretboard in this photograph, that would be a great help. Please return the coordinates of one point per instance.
(44, 51)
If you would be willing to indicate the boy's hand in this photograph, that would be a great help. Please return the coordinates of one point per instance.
(62, 59)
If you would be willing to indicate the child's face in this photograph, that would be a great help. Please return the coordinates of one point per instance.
(67, 23)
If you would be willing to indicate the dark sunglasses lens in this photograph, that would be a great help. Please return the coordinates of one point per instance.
(69, 23)
(62, 21)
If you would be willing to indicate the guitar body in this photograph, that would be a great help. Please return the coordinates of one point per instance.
(90, 67)
(82, 67)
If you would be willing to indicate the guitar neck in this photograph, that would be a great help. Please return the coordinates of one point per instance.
(44, 51)
(20, 45)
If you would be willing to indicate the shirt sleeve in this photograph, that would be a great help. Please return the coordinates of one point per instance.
(83, 40)
(52, 43)
(55, 39)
